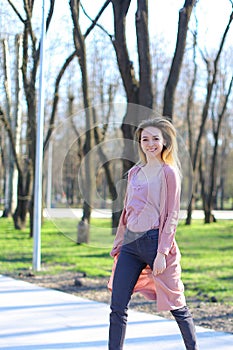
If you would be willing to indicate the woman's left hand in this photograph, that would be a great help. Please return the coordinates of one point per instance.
(159, 264)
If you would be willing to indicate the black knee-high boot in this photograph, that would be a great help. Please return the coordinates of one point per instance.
(185, 322)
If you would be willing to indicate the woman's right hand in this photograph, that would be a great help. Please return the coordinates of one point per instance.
(115, 251)
(159, 264)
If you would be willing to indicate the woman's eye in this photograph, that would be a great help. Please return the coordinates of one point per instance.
(154, 139)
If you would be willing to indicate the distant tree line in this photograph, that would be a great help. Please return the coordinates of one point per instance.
(193, 88)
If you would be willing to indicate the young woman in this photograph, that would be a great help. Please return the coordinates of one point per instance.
(146, 255)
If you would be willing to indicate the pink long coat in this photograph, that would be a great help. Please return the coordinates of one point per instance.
(167, 288)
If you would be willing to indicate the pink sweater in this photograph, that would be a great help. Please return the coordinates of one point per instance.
(167, 288)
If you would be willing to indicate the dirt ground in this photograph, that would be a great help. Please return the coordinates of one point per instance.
(207, 313)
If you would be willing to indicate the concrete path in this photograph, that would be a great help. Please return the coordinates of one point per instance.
(74, 213)
(35, 318)
(107, 213)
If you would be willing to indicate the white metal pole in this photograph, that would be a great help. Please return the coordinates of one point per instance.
(39, 156)
(49, 175)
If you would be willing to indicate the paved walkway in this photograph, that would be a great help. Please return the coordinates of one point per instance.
(107, 213)
(73, 213)
(35, 318)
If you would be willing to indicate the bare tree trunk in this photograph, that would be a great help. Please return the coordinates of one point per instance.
(89, 137)
(211, 190)
(225, 135)
(143, 44)
(137, 92)
(18, 114)
(116, 213)
(221, 189)
(131, 85)
(169, 94)
(126, 68)
(56, 97)
(24, 189)
(9, 162)
(190, 125)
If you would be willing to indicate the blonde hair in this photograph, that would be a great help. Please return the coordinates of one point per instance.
(170, 150)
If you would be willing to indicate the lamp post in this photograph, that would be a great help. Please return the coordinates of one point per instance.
(39, 156)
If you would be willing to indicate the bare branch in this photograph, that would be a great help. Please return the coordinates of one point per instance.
(56, 96)
(28, 23)
(16, 11)
(63, 69)
(143, 45)
(191, 95)
(48, 20)
(210, 86)
(226, 98)
(222, 43)
(131, 85)
(50, 14)
(94, 22)
(172, 81)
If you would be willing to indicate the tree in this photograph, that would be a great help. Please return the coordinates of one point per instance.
(138, 92)
(79, 44)
(209, 185)
(31, 56)
(170, 88)
(14, 116)
(212, 73)
(8, 160)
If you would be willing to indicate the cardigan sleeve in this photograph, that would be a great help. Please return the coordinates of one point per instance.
(172, 208)
(118, 241)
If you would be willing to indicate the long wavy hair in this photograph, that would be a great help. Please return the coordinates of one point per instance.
(169, 153)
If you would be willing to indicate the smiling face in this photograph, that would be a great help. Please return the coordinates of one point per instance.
(152, 143)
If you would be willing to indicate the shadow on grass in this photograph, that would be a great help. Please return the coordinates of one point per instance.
(16, 260)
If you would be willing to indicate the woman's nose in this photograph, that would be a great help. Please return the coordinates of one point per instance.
(151, 142)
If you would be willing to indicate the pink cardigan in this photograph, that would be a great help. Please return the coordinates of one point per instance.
(167, 288)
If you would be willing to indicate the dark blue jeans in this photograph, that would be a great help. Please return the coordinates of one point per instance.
(138, 251)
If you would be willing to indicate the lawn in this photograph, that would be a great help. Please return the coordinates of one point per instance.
(207, 259)
(207, 253)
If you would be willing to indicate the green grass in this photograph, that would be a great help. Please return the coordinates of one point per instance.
(207, 253)
(207, 259)
(59, 253)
